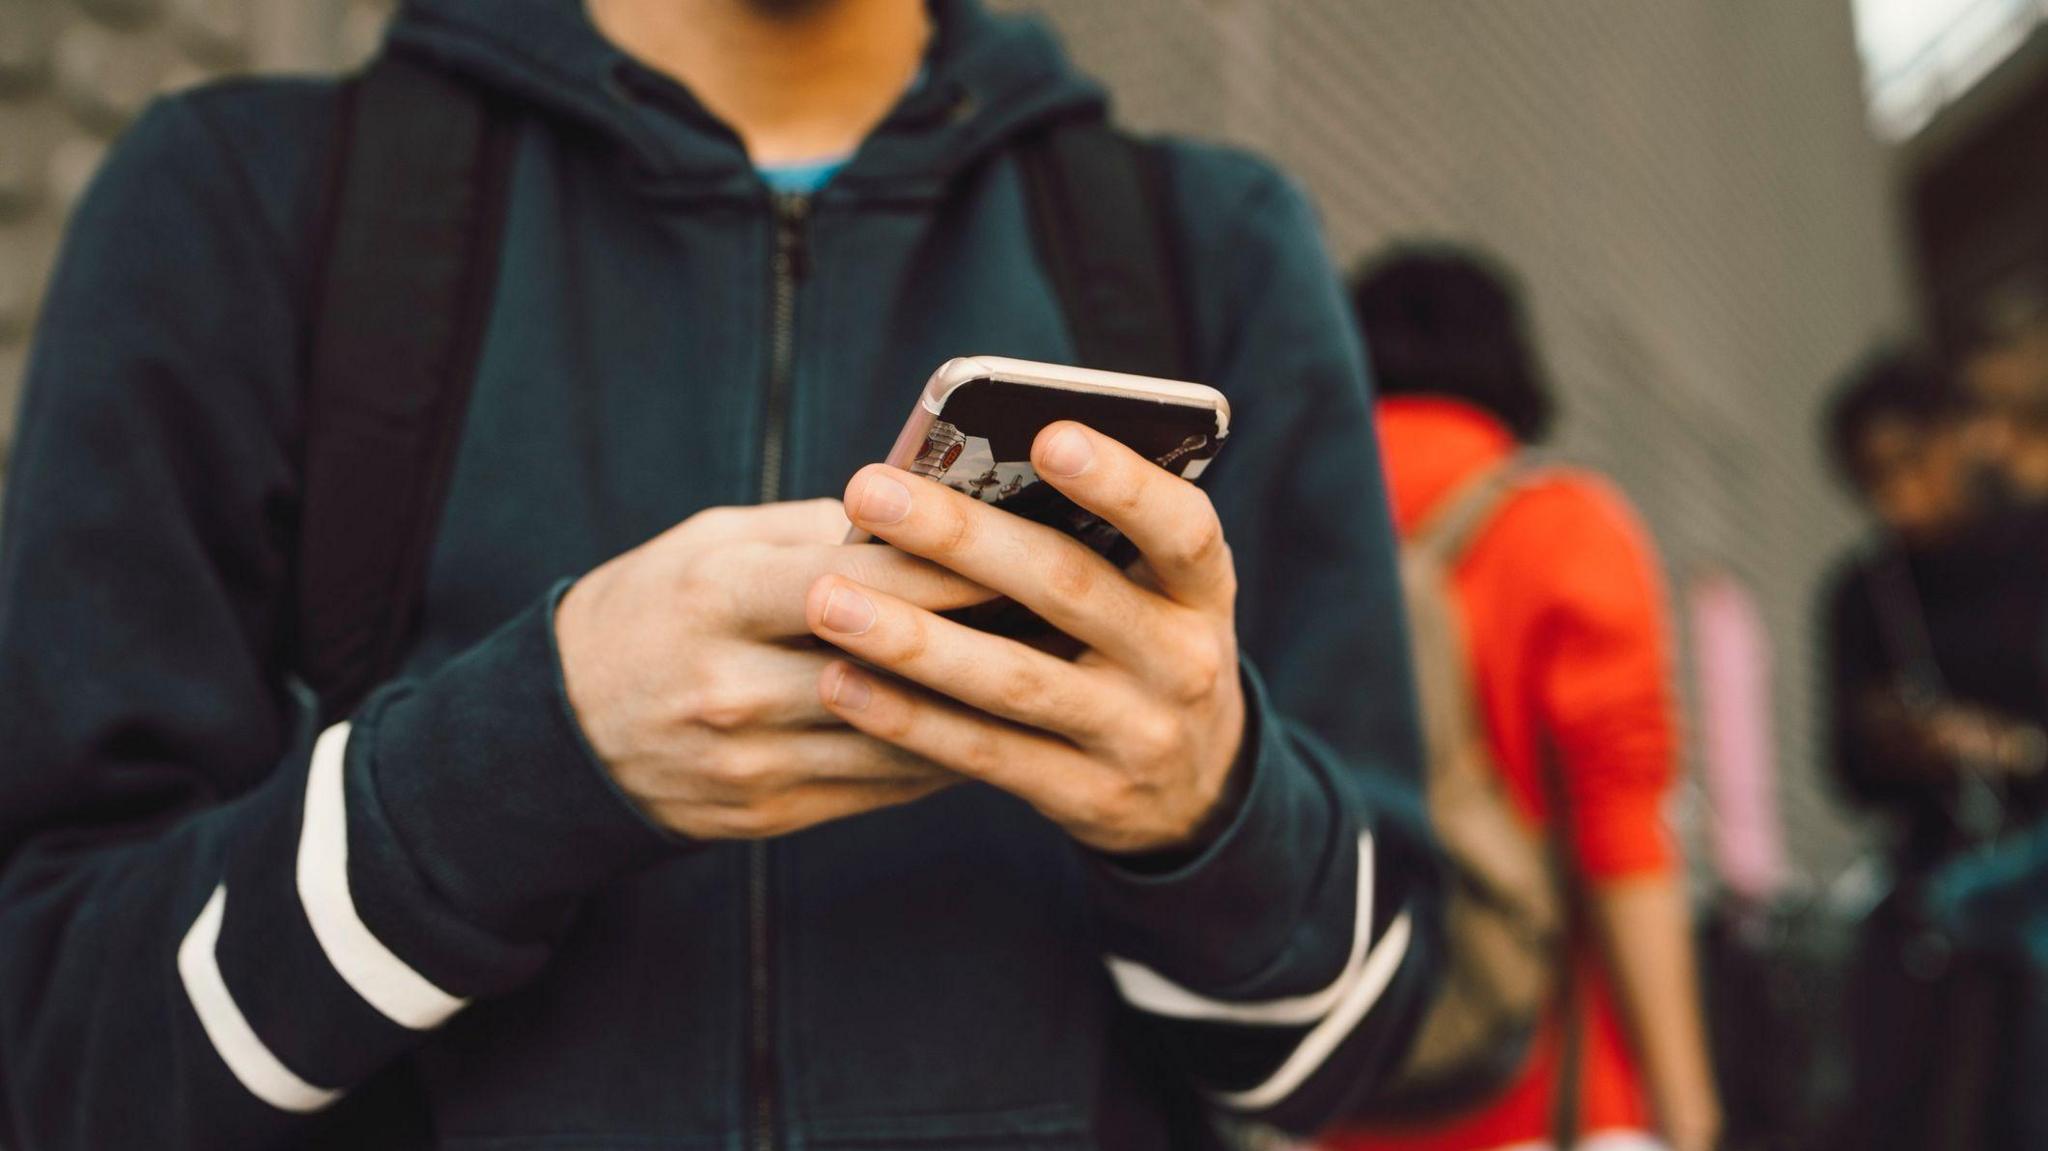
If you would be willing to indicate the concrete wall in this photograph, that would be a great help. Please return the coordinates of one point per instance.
(74, 72)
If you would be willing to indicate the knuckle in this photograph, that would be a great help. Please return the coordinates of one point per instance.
(736, 562)
(726, 715)
(717, 765)
(713, 519)
(1024, 688)
(724, 710)
(911, 641)
(1199, 541)
(893, 724)
(1226, 579)
(733, 768)
(1198, 672)
(1069, 574)
(1130, 496)
(873, 567)
(706, 584)
(955, 588)
(1152, 735)
(695, 586)
(927, 584)
(1092, 809)
(955, 531)
(1122, 483)
(828, 511)
(981, 751)
(1110, 809)
(754, 822)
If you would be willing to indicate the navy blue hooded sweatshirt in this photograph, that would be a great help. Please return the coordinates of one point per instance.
(439, 922)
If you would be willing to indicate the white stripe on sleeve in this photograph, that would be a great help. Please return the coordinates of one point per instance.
(384, 980)
(1154, 994)
(251, 1062)
(1317, 1046)
(1335, 1010)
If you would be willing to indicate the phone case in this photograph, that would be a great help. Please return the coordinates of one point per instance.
(975, 425)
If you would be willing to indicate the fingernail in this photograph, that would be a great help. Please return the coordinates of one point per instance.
(848, 612)
(1069, 453)
(881, 500)
(852, 691)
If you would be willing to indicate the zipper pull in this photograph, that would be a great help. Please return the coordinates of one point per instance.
(792, 213)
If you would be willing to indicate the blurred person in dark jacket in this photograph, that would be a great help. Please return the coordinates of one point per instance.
(1938, 695)
(683, 825)
(1568, 631)
(1997, 902)
(2004, 372)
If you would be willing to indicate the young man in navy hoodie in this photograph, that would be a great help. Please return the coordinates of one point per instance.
(625, 856)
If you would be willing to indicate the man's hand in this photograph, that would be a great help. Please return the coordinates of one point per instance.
(1945, 738)
(1979, 739)
(1130, 746)
(684, 665)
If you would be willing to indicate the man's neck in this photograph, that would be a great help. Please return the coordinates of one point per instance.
(796, 80)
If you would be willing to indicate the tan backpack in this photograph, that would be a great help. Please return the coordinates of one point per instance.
(1505, 916)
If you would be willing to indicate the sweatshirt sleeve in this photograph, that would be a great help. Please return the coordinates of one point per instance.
(216, 922)
(1602, 678)
(1869, 770)
(1286, 966)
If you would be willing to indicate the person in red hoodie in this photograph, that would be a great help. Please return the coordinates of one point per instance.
(1561, 598)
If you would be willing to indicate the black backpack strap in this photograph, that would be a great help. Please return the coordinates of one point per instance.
(1099, 210)
(414, 215)
(1103, 228)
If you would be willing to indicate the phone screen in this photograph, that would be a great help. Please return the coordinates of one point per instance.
(980, 445)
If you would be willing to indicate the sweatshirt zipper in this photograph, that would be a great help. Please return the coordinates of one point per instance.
(791, 212)
(761, 1056)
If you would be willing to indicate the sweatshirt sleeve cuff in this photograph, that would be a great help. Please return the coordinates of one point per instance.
(1231, 912)
(1622, 837)
(485, 775)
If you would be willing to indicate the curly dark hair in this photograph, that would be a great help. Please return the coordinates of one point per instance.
(1447, 320)
(1897, 381)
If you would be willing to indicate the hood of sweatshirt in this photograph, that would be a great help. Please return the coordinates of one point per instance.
(987, 78)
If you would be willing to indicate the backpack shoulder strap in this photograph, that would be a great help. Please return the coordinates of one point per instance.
(1442, 539)
(1459, 517)
(1099, 210)
(408, 262)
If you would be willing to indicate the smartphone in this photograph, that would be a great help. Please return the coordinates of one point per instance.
(973, 427)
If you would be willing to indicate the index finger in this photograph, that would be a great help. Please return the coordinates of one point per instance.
(1169, 520)
(820, 521)
(769, 586)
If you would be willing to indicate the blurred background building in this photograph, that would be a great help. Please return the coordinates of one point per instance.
(1969, 106)
(1690, 191)
(74, 72)
(1708, 225)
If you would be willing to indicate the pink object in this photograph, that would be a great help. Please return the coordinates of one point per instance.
(1732, 654)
